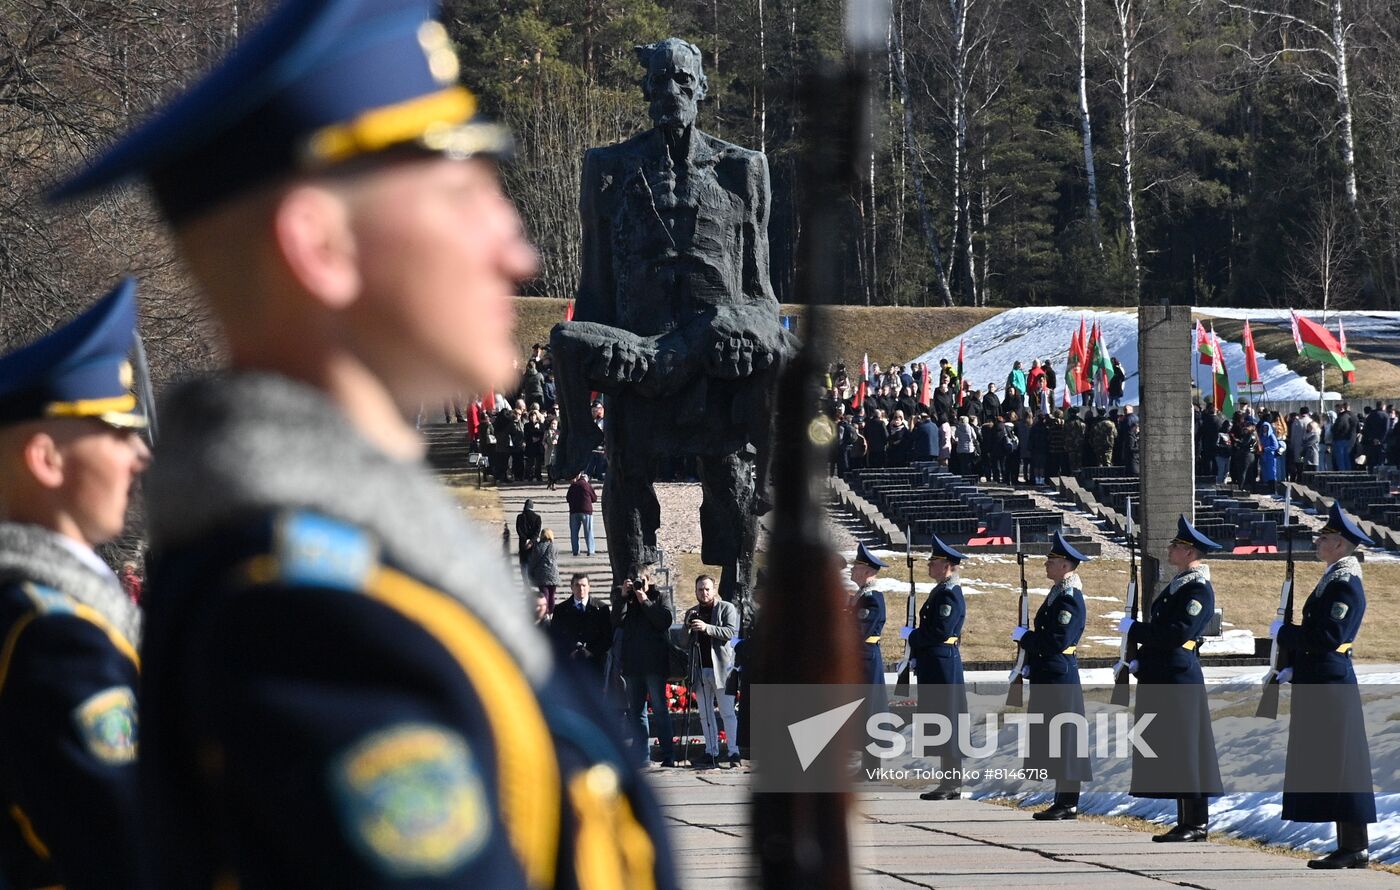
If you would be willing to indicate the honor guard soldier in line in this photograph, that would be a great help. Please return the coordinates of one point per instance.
(69, 452)
(938, 661)
(869, 607)
(1327, 747)
(1053, 673)
(1171, 686)
(339, 691)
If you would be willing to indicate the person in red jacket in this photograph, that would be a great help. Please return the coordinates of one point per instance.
(581, 498)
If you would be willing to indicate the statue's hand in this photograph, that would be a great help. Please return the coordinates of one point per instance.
(734, 352)
(620, 362)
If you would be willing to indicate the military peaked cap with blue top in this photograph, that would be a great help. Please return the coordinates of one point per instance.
(866, 558)
(319, 83)
(79, 370)
(1065, 550)
(1339, 523)
(943, 551)
(1186, 534)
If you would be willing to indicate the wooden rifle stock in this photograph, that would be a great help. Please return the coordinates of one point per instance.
(800, 839)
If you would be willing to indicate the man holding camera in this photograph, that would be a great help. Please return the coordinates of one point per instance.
(712, 625)
(582, 627)
(645, 618)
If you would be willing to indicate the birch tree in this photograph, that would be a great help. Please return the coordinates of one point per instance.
(1316, 43)
(1076, 39)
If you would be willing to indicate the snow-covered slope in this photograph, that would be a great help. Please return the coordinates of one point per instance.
(1044, 333)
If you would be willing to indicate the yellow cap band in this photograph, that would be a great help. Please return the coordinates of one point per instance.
(391, 125)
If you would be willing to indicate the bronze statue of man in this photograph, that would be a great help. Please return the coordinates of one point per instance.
(676, 322)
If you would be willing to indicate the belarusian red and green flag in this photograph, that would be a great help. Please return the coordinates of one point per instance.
(1317, 343)
(1224, 393)
(1100, 361)
(1204, 347)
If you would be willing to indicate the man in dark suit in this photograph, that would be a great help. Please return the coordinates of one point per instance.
(582, 627)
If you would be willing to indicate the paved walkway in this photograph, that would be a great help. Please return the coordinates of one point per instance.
(903, 842)
(554, 511)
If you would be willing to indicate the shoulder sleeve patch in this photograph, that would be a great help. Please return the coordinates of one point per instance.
(106, 723)
(945, 610)
(1339, 611)
(1193, 608)
(413, 800)
(1065, 616)
(48, 600)
(317, 551)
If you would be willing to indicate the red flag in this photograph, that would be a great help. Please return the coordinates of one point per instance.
(1251, 358)
(1065, 402)
(924, 394)
(961, 387)
(859, 401)
(569, 311)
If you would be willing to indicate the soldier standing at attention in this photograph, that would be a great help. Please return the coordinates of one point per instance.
(336, 694)
(1327, 746)
(1171, 686)
(869, 607)
(938, 662)
(69, 452)
(1053, 672)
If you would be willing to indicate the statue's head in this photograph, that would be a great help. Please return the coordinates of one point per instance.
(674, 83)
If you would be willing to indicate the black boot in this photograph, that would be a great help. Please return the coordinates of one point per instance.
(1181, 834)
(1342, 859)
(1063, 808)
(943, 792)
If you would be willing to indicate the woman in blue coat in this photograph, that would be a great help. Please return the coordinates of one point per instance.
(1053, 673)
(1172, 688)
(1268, 455)
(1327, 776)
(938, 662)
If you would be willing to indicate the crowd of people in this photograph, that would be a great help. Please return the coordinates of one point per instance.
(1255, 449)
(1014, 436)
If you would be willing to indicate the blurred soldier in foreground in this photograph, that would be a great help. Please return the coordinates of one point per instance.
(1325, 695)
(337, 693)
(1171, 687)
(1053, 672)
(69, 453)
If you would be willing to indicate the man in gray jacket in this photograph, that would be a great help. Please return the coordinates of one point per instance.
(712, 625)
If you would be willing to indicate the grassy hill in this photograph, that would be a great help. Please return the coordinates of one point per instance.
(889, 334)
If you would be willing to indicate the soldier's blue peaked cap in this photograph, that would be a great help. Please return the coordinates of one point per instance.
(79, 370)
(1339, 523)
(943, 551)
(865, 557)
(319, 83)
(1186, 534)
(1065, 550)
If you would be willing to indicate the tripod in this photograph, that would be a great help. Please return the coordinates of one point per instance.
(692, 679)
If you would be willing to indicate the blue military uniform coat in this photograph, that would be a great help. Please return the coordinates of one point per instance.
(937, 659)
(1325, 694)
(69, 811)
(333, 698)
(869, 606)
(1054, 679)
(1171, 685)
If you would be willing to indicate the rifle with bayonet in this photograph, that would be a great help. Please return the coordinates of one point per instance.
(1278, 657)
(901, 683)
(800, 839)
(1122, 692)
(1015, 693)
